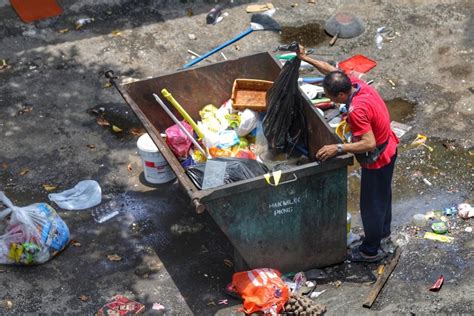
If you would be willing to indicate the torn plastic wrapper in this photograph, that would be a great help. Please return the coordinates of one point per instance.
(438, 284)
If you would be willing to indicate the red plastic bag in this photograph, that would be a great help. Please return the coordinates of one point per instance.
(262, 290)
(177, 139)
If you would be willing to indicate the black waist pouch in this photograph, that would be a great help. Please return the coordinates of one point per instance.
(370, 157)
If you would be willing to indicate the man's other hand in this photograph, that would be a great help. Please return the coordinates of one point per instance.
(326, 152)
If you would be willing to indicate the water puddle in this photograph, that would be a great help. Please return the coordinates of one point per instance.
(400, 110)
(448, 168)
(310, 34)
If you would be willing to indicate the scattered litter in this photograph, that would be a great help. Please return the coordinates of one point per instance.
(439, 227)
(256, 8)
(419, 220)
(213, 15)
(105, 211)
(223, 56)
(116, 129)
(465, 211)
(81, 22)
(358, 63)
(3, 64)
(24, 171)
(269, 297)
(114, 257)
(468, 230)
(107, 85)
(83, 298)
(102, 121)
(7, 304)
(315, 294)
(25, 109)
(437, 285)
(391, 83)
(180, 229)
(121, 306)
(116, 33)
(157, 307)
(384, 33)
(91, 146)
(62, 31)
(34, 234)
(300, 280)
(312, 1)
(129, 167)
(380, 269)
(223, 302)
(192, 37)
(48, 187)
(136, 131)
(427, 182)
(420, 140)
(442, 238)
(337, 283)
(76, 243)
(400, 129)
(85, 194)
(228, 263)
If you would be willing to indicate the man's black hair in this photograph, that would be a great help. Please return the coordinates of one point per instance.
(336, 82)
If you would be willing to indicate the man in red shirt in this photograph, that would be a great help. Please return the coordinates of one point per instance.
(375, 146)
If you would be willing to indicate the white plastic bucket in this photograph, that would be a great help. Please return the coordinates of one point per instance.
(155, 167)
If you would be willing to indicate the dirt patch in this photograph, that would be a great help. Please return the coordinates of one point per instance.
(310, 34)
(458, 71)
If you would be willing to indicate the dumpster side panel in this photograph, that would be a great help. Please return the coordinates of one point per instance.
(291, 227)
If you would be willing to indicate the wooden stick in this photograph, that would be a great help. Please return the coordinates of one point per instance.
(374, 292)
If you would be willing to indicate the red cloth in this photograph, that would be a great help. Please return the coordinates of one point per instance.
(368, 112)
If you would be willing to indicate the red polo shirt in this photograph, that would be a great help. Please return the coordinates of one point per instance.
(368, 112)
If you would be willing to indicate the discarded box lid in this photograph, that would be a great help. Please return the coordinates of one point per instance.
(250, 94)
(358, 63)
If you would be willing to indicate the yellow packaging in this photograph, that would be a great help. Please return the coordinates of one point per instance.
(442, 238)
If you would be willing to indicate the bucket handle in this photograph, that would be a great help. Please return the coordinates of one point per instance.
(284, 182)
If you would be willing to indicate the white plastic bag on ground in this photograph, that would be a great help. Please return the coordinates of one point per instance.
(248, 122)
(85, 194)
(33, 235)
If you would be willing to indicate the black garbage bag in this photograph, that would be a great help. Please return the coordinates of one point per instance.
(236, 169)
(284, 125)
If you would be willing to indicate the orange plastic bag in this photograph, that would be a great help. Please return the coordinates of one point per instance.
(262, 290)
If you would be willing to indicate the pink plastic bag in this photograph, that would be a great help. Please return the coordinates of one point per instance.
(177, 139)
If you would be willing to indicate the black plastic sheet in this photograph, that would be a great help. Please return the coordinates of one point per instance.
(237, 169)
(284, 125)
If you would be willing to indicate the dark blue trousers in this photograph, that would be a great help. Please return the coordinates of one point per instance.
(376, 205)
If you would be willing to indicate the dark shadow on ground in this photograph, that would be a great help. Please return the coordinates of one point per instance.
(127, 14)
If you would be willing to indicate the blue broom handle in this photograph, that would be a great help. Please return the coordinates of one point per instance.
(218, 48)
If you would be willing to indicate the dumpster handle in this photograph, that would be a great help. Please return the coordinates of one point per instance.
(285, 182)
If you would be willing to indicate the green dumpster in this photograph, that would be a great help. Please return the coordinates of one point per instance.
(297, 225)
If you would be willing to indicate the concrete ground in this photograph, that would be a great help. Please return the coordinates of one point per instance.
(54, 84)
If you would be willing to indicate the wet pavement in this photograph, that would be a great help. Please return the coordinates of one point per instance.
(53, 95)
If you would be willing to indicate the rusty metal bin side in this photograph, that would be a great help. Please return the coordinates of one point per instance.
(292, 227)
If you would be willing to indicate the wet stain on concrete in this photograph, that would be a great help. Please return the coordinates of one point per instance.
(400, 110)
(308, 35)
(458, 71)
